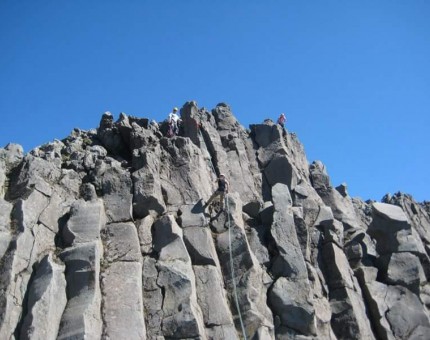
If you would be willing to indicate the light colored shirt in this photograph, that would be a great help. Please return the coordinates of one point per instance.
(173, 116)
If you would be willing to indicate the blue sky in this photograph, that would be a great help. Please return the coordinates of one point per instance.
(353, 77)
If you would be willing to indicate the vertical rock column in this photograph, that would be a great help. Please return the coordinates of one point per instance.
(182, 317)
(211, 295)
(46, 302)
(290, 296)
(28, 241)
(122, 283)
(251, 281)
(82, 318)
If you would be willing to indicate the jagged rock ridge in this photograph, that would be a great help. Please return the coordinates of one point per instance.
(103, 235)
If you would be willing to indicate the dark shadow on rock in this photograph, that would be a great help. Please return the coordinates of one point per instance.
(198, 207)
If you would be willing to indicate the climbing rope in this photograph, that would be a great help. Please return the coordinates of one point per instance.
(232, 269)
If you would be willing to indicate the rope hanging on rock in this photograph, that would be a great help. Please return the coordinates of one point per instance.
(232, 269)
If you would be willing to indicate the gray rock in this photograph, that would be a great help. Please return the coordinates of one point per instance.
(248, 275)
(182, 315)
(416, 213)
(342, 189)
(319, 177)
(11, 154)
(147, 194)
(392, 213)
(152, 299)
(192, 215)
(325, 217)
(292, 302)
(211, 297)
(265, 134)
(121, 243)
(312, 239)
(117, 194)
(259, 237)
(200, 246)
(302, 231)
(290, 261)
(388, 221)
(145, 234)
(34, 173)
(396, 312)
(46, 301)
(86, 221)
(110, 136)
(122, 301)
(88, 192)
(253, 208)
(280, 170)
(58, 206)
(10, 157)
(402, 269)
(82, 318)
(5, 236)
(168, 240)
(338, 272)
(349, 319)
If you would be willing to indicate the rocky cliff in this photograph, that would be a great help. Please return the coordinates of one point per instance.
(103, 235)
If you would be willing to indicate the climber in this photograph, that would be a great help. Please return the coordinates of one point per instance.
(281, 121)
(174, 122)
(223, 187)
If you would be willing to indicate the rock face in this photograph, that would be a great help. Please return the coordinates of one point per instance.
(104, 235)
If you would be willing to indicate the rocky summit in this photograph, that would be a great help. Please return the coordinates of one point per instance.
(106, 235)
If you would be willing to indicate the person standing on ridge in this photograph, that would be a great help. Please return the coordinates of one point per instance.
(174, 121)
(281, 121)
(223, 187)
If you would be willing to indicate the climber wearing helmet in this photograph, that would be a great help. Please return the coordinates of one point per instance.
(223, 187)
(281, 121)
(174, 122)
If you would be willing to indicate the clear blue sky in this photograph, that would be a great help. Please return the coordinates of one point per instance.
(353, 77)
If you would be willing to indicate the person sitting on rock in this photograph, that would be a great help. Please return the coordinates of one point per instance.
(223, 187)
(174, 121)
(281, 121)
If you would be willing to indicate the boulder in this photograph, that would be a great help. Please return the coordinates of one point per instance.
(388, 221)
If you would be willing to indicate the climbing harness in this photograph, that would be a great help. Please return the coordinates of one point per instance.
(232, 268)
